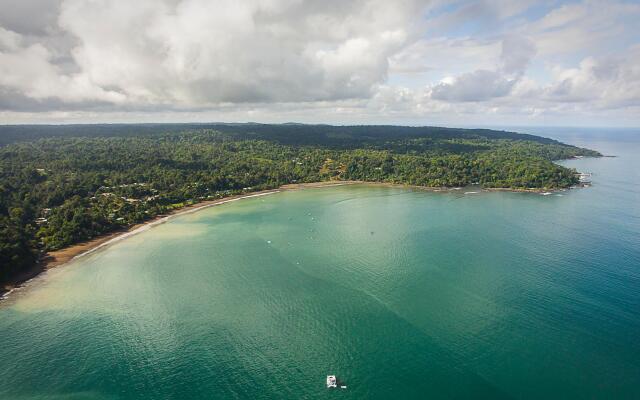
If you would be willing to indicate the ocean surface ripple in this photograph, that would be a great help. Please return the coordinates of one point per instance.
(401, 293)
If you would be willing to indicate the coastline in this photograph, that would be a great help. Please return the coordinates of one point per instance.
(477, 187)
(57, 258)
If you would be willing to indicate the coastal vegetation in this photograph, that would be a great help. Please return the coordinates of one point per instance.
(61, 185)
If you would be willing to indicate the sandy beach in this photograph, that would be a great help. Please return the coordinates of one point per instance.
(60, 257)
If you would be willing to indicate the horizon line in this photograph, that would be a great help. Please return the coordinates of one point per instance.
(464, 126)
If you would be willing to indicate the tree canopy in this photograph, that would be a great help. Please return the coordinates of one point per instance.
(61, 185)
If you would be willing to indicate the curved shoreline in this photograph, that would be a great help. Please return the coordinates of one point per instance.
(57, 258)
(54, 259)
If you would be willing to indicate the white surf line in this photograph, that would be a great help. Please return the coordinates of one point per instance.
(300, 186)
(165, 219)
(331, 185)
(7, 293)
(22, 285)
(339, 184)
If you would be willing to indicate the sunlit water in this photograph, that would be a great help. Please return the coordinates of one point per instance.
(401, 293)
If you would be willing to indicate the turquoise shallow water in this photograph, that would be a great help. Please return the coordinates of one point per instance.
(401, 293)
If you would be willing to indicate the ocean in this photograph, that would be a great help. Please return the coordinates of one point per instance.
(401, 293)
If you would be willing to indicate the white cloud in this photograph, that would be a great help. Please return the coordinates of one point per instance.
(329, 61)
(443, 56)
(483, 84)
(586, 28)
(195, 52)
(610, 82)
(517, 52)
(474, 86)
(28, 70)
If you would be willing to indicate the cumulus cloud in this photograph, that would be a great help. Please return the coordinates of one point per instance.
(193, 53)
(474, 86)
(607, 83)
(485, 84)
(307, 60)
(27, 70)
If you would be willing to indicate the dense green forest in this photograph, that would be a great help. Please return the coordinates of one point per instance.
(61, 185)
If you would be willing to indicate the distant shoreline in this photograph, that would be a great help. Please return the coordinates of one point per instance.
(57, 258)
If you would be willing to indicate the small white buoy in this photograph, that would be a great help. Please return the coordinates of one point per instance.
(269, 241)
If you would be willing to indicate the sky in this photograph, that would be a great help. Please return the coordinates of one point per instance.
(408, 62)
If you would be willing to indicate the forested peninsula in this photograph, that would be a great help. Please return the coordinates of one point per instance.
(61, 185)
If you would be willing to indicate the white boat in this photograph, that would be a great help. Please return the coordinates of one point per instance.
(332, 381)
